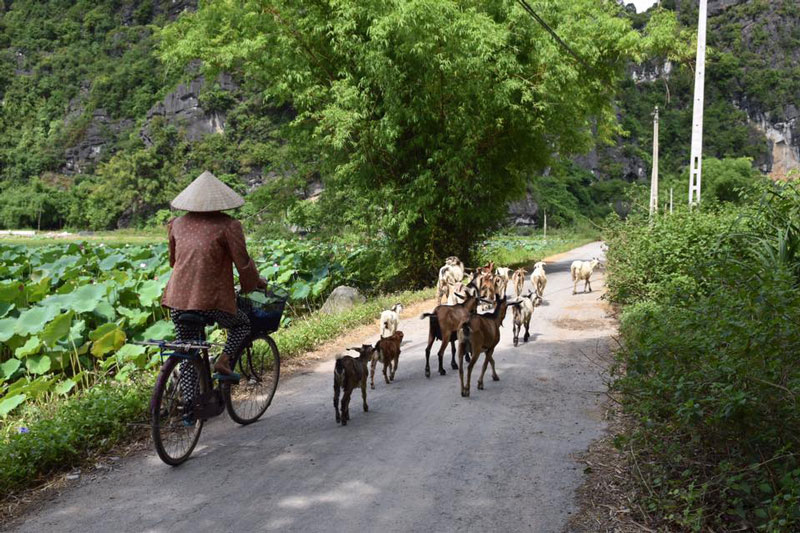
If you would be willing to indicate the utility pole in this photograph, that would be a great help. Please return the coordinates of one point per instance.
(654, 177)
(545, 225)
(696, 159)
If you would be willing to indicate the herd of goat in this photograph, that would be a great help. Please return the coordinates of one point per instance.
(457, 322)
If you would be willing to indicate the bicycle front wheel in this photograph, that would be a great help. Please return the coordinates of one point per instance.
(260, 368)
(175, 429)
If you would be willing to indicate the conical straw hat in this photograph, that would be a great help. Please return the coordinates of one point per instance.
(207, 193)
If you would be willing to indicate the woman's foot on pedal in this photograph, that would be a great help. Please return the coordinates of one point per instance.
(223, 365)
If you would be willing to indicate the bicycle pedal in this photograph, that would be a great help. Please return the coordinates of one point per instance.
(233, 378)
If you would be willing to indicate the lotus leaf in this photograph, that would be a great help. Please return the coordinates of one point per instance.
(76, 333)
(107, 338)
(31, 347)
(10, 403)
(150, 291)
(160, 330)
(87, 298)
(134, 354)
(38, 364)
(111, 262)
(300, 290)
(7, 328)
(9, 367)
(12, 292)
(64, 387)
(34, 320)
(135, 318)
(105, 311)
(39, 386)
(57, 329)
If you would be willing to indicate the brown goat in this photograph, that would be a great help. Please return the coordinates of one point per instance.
(347, 374)
(387, 351)
(487, 289)
(445, 321)
(480, 333)
(518, 280)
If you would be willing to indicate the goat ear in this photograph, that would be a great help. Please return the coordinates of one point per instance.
(355, 349)
(460, 295)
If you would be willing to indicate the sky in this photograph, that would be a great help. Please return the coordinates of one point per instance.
(641, 5)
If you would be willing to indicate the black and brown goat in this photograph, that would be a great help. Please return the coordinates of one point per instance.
(348, 373)
(445, 321)
(387, 351)
(480, 333)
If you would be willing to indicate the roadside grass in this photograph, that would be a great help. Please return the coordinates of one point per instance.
(54, 436)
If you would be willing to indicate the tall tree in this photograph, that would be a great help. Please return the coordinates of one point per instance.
(434, 113)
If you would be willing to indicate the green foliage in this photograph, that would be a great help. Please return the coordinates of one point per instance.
(59, 435)
(709, 353)
(415, 111)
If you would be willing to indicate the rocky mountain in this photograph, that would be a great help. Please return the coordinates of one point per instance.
(752, 90)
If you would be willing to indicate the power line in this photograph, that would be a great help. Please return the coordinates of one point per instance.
(550, 30)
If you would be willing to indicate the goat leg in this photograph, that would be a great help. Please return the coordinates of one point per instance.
(372, 373)
(527, 327)
(441, 356)
(394, 369)
(453, 364)
(346, 404)
(461, 369)
(386, 364)
(471, 364)
(364, 394)
(490, 357)
(516, 329)
(336, 402)
(428, 354)
(483, 370)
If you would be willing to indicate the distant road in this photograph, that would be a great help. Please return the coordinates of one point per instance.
(422, 459)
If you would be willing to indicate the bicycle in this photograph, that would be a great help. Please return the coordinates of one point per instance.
(176, 421)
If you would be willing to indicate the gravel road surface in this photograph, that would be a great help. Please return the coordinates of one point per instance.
(422, 459)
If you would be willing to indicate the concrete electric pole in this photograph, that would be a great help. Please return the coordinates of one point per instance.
(696, 160)
(654, 177)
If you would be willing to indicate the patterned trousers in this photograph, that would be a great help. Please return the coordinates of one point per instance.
(238, 327)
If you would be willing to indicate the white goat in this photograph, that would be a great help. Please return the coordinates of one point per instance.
(539, 278)
(582, 270)
(523, 313)
(451, 273)
(389, 320)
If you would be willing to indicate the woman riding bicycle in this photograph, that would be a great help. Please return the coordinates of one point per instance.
(203, 245)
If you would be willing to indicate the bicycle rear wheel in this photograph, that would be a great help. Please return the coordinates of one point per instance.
(260, 370)
(175, 429)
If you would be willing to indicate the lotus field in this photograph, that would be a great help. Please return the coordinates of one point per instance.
(69, 313)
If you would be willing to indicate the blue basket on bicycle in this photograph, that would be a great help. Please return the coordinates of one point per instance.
(264, 311)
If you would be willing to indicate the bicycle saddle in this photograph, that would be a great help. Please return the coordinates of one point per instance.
(193, 319)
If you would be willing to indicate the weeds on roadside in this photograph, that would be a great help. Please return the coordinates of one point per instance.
(710, 347)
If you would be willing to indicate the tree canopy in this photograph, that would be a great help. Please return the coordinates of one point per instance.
(429, 114)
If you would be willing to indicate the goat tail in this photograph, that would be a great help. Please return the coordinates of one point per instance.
(425, 315)
(574, 271)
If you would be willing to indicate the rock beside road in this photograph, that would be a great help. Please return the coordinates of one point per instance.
(341, 299)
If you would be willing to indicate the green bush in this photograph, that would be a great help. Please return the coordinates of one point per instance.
(710, 348)
(59, 435)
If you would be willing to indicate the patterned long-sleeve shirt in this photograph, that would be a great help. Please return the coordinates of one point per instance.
(203, 247)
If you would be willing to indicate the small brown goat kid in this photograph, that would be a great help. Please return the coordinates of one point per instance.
(445, 321)
(480, 334)
(348, 373)
(387, 351)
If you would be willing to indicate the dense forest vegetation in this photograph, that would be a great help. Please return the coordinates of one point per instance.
(82, 147)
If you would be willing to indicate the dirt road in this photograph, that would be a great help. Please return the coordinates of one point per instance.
(422, 459)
